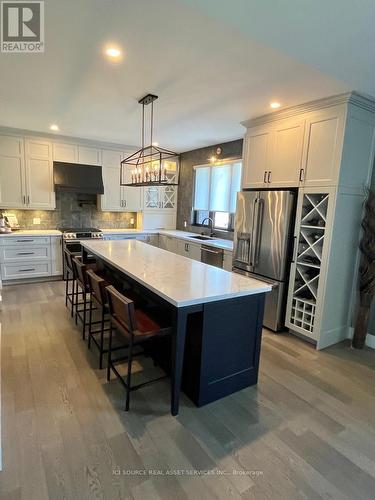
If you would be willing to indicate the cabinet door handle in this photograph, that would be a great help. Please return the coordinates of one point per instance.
(265, 176)
(25, 253)
(302, 174)
(125, 203)
(269, 177)
(24, 199)
(26, 270)
(28, 199)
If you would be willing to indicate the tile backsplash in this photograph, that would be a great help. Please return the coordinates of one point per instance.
(74, 210)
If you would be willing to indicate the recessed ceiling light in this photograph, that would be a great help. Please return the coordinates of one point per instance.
(275, 105)
(54, 127)
(113, 53)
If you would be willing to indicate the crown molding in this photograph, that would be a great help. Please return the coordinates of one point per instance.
(355, 98)
(64, 138)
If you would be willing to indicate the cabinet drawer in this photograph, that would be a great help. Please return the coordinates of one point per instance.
(25, 253)
(25, 270)
(23, 241)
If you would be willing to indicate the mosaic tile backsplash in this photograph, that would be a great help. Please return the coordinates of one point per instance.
(74, 210)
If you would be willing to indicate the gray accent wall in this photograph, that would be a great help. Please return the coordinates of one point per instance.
(188, 160)
(73, 210)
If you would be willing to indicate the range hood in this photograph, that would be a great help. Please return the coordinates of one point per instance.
(78, 178)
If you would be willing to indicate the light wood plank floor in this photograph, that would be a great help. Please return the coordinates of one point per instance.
(307, 431)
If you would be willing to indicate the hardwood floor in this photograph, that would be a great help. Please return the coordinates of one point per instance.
(307, 430)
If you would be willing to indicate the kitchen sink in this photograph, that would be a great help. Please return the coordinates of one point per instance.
(201, 237)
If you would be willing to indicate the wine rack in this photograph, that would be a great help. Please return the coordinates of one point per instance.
(308, 261)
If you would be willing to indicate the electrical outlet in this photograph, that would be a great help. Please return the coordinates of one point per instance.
(36, 221)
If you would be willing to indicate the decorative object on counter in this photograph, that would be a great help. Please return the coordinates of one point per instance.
(151, 165)
(366, 279)
(10, 223)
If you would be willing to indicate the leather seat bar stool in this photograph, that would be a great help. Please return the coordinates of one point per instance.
(81, 289)
(137, 326)
(98, 297)
(69, 278)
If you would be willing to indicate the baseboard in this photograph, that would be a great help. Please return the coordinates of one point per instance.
(332, 337)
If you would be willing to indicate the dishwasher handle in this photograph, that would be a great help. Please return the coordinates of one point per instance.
(216, 252)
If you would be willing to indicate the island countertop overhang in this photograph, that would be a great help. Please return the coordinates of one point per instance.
(178, 280)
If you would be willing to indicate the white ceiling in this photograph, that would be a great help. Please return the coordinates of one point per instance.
(212, 66)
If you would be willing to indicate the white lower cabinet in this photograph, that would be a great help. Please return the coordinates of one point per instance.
(227, 261)
(30, 257)
(56, 256)
(187, 249)
(168, 243)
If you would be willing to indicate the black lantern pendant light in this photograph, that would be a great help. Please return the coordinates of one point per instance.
(150, 165)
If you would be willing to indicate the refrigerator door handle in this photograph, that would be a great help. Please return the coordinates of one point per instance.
(255, 247)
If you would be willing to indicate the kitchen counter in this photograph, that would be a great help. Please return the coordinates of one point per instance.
(216, 316)
(178, 280)
(32, 232)
(184, 235)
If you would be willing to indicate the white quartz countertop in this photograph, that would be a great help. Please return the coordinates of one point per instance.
(32, 232)
(129, 231)
(214, 242)
(177, 279)
(182, 235)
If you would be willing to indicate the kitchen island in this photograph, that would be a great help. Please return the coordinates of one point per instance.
(217, 316)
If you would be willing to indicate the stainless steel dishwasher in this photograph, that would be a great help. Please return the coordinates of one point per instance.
(212, 256)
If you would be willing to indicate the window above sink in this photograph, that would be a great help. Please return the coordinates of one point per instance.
(215, 193)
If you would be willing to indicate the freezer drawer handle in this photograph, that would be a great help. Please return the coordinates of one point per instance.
(26, 270)
(25, 253)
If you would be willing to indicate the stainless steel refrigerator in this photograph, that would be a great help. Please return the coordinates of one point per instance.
(263, 242)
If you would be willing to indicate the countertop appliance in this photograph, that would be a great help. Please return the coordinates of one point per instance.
(212, 256)
(263, 242)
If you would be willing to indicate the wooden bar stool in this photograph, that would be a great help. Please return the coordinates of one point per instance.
(137, 326)
(82, 288)
(69, 278)
(98, 297)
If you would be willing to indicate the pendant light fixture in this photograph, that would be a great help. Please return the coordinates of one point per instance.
(151, 165)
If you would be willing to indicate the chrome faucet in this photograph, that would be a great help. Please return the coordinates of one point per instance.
(209, 225)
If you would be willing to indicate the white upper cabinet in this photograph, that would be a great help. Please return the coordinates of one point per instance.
(324, 137)
(117, 198)
(12, 171)
(26, 173)
(256, 157)
(295, 152)
(272, 155)
(89, 156)
(111, 200)
(39, 175)
(65, 152)
(286, 154)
